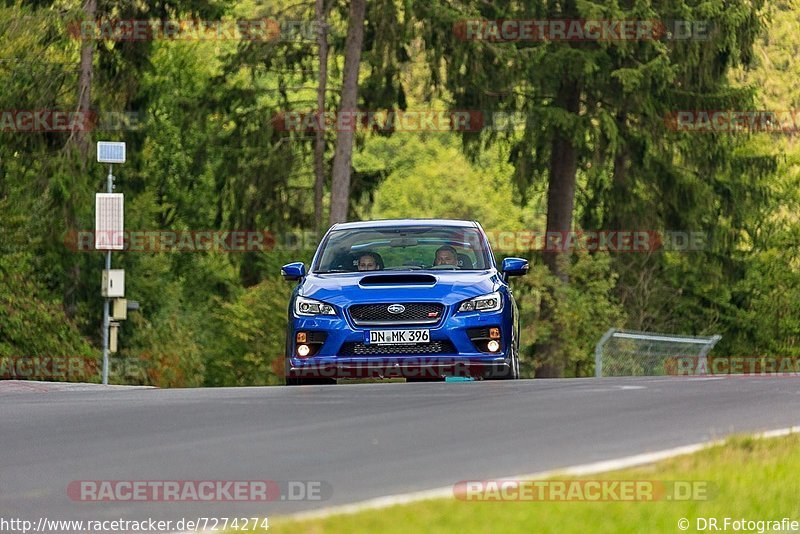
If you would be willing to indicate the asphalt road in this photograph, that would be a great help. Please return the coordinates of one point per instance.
(360, 440)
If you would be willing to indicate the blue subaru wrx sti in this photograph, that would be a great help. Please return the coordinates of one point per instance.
(416, 298)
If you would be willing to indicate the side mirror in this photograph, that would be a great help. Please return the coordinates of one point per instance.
(514, 267)
(293, 271)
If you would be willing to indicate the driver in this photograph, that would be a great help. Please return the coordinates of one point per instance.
(446, 255)
(369, 261)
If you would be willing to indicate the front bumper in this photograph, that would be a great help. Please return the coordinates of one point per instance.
(456, 354)
(427, 369)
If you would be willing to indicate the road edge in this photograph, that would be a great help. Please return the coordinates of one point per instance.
(592, 468)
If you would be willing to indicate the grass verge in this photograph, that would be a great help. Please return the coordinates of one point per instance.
(754, 479)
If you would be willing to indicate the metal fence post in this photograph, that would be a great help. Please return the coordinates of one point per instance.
(598, 352)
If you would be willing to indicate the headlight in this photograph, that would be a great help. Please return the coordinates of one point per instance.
(485, 303)
(304, 307)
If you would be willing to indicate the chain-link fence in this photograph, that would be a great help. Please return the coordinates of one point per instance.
(631, 353)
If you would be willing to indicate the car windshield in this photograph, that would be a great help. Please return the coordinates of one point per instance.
(402, 249)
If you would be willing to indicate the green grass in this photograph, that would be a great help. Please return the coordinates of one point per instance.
(756, 479)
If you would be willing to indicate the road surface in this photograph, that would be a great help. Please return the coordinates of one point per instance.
(360, 440)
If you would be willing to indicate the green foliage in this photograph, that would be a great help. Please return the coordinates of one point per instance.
(167, 352)
(769, 323)
(249, 334)
(583, 310)
(32, 321)
(35, 324)
(210, 155)
(428, 176)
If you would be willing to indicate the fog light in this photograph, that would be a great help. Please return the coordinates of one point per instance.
(301, 337)
(494, 333)
(303, 350)
(493, 346)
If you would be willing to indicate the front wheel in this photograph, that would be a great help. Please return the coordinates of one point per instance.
(308, 381)
(424, 379)
(506, 373)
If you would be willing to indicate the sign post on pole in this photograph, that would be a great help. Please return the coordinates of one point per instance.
(109, 223)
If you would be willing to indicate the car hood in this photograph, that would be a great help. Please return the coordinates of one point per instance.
(447, 287)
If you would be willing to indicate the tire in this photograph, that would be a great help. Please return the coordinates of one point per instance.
(418, 379)
(516, 366)
(508, 373)
(308, 381)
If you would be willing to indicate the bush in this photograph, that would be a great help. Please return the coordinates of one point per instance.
(583, 310)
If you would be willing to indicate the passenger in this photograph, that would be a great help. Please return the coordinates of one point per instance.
(370, 261)
(446, 255)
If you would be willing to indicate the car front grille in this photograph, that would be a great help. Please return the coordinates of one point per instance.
(414, 313)
(363, 349)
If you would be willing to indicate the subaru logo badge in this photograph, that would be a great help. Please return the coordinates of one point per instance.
(396, 308)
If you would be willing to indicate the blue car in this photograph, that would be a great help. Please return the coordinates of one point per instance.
(416, 298)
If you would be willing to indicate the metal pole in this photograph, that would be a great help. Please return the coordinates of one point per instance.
(105, 327)
(704, 353)
(598, 352)
(106, 301)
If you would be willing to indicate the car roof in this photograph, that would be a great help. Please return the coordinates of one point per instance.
(393, 223)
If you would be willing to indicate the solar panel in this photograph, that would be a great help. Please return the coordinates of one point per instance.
(109, 217)
(110, 152)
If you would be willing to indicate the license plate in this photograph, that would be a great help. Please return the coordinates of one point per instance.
(390, 337)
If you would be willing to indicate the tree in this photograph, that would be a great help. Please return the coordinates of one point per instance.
(321, 17)
(85, 79)
(340, 185)
(577, 96)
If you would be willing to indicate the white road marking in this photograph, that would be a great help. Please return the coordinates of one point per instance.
(576, 470)
(17, 386)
